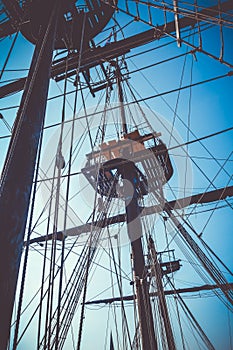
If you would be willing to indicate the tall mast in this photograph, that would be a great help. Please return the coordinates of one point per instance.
(134, 227)
(18, 172)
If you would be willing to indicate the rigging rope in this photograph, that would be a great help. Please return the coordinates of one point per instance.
(178, 97)
(142, 99)
(192, 318)
(199, 49)
(68, 187)
(9, 53)
(157, 273)
(125, 325)
(175, 299)
(203, 173)
(192, 14)
(211, 268)
(59, 159)
(77, 289)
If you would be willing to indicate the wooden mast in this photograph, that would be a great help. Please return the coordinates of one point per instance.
(134, 228)
(18, 172)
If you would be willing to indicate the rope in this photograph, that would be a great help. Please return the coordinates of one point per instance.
(178, 97)
(5, 122)
(68, 186)
(43, 295)
(9, 54)
(142, 99)
(199, 49)
(210, 267)
(84, 296)
(203, 173)
(125, 326)
(185, 12)
(77, 288)
(188, 126)
(194, 322)
(207, 247)
(57, 200)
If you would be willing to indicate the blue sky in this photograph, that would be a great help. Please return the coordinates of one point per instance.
(204, 109)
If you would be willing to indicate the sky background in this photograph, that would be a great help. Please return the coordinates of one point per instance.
(203, 110)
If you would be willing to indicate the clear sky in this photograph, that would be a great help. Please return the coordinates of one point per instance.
(190, 114)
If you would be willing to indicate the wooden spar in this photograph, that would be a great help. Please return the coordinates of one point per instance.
(18, 171)
(175, 5)
(121, 99)
(201, 198)
(98, 55)
(205, 287)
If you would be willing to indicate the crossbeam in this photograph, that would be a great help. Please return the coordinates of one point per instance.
(201, 198)
(166, 292)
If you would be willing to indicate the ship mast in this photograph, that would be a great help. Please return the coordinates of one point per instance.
(134, 228)
(18, 172)
(132, 194)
